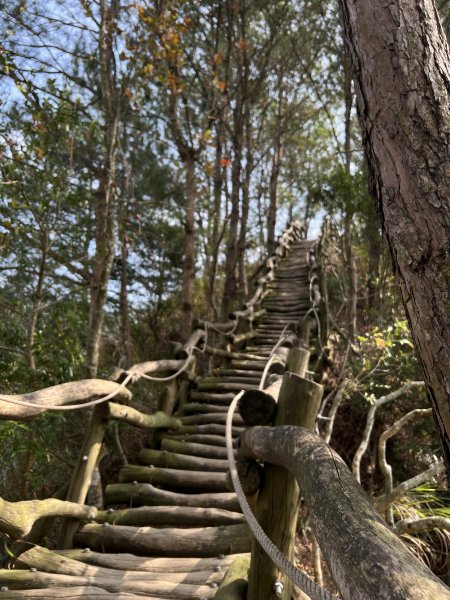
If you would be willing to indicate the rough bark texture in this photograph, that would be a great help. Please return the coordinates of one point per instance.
(18, 518)
(401, 65)
(367, 560)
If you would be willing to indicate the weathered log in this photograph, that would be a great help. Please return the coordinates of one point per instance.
(244, 378)
(169, 397)
(234, 584)
(250, 475)
(219, 418)
(200, 407)
(298, 361)
(231, 355)
(158, 420)
(21, 579)
(278, 360)
(223, 327)
(194, 449)
(366, 559)
(195, 338)
(73, 392)
(211, 397)
(70, 592)
(149, 367)
(257, 408)
(258, 404)
(226, 387)
(209, 429)
(242, 337)
(171, 460)
(235, 373)
(17, 518)
(146, 494)
(212, 440)
(129, 562)
(249, 365)
(51, 562)
(174, 478)
(298, 403)
(195, 542)
(170, 515)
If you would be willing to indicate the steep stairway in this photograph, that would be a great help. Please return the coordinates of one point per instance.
(172, 525)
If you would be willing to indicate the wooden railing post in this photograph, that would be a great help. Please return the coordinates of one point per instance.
(278, 500)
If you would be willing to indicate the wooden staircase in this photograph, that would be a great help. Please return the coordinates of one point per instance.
(172, 526)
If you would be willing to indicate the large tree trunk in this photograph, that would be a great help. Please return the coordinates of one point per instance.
(401, 64)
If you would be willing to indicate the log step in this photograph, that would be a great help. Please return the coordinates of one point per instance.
(197, 407)
(129, 562)
(140, 494)
(208, 440)
(215, 417)
(149, 541)
(195, 449)
(170, 515)
(65, 571)
(211, 397)
(172, 460)
(175, 478)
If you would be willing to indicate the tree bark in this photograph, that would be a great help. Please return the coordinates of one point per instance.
(189, 246)
(105, 209)
(401, 65)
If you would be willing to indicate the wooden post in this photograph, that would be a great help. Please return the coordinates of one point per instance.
(234, 584)
(82, 475)
(277, 509)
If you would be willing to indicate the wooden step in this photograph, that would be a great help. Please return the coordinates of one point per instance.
(145, 494)
(194, 449)
(211, 440)
(215, 417)
(172, 460)
(175, 478)
(129, 562)
(212, 397)
(209, 429)
(51, 567)
(196, 542)
(169, 515)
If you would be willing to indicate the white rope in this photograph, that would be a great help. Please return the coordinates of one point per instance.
(305, 583)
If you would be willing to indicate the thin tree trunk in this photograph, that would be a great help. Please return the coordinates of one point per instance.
(249, 163)
(402, 73)
(230, 286)
(352, 276)
(215, 241)
(125, 328)
(189, 247)
(105, 210)
(37, 304)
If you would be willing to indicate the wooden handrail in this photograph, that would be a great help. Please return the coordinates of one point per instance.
(366, 558)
